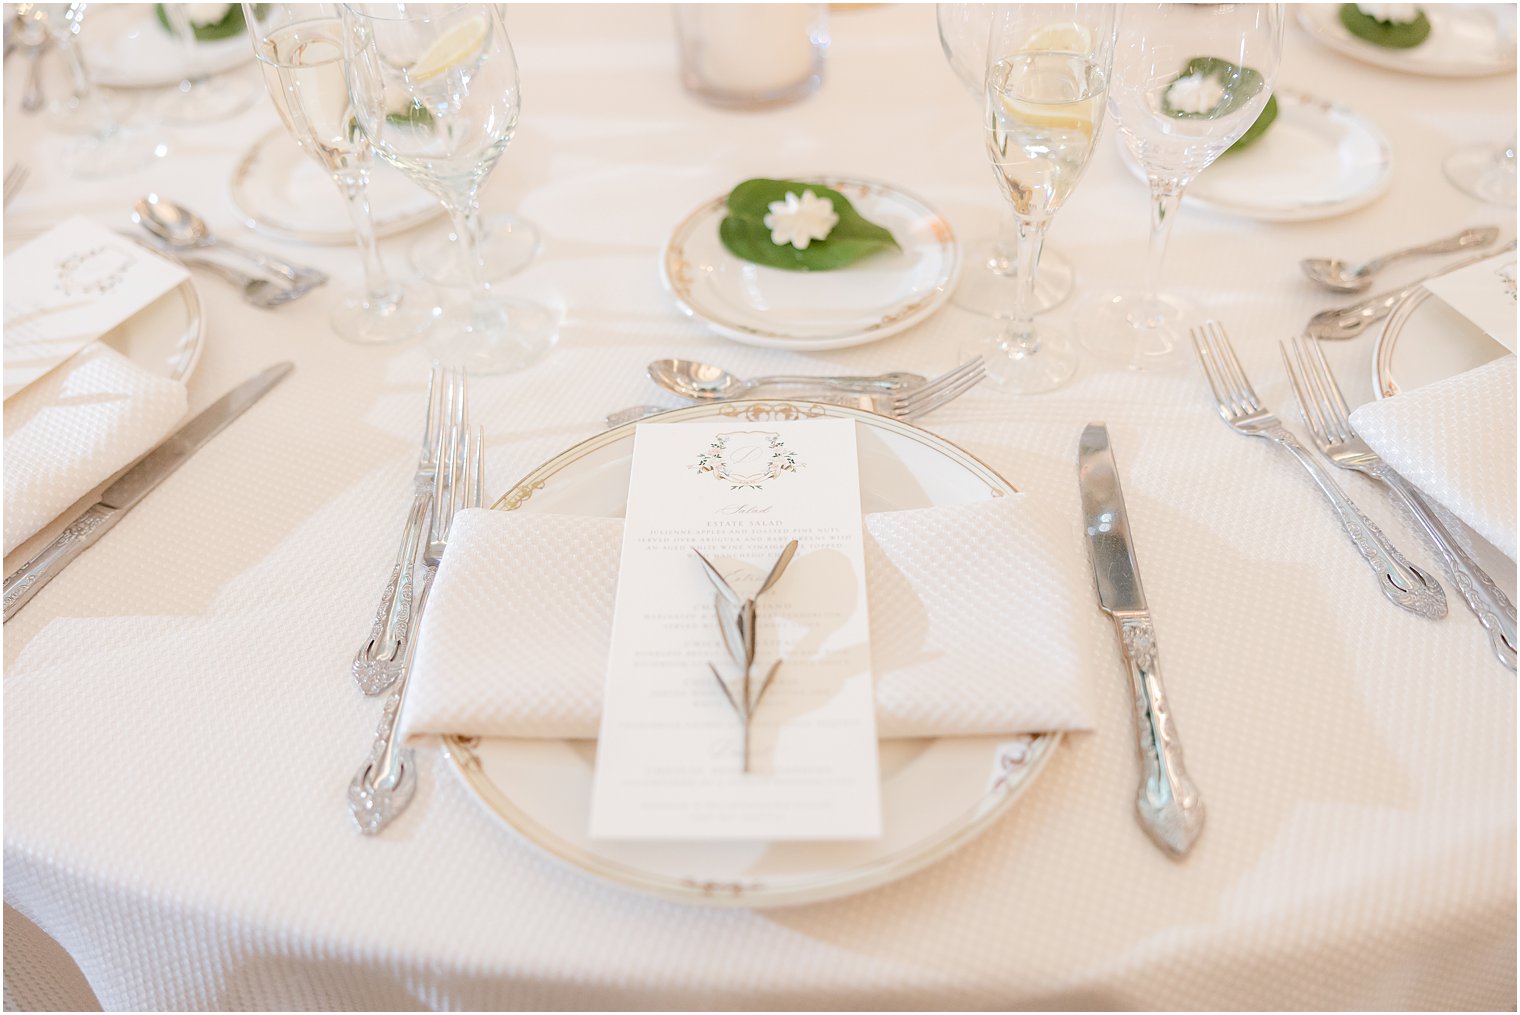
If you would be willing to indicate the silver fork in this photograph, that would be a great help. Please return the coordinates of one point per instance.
(1328, 418)
(1405, 585)
(379, 660)
(384, 784)
(15, 178)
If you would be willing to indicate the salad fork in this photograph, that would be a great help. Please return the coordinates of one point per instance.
(1404, 585)
(1325, 413)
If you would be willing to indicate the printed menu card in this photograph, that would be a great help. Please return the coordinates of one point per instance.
(1484, 293)
(673, 758)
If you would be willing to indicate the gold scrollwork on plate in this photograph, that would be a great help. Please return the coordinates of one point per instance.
(515, 499)
(755, 412)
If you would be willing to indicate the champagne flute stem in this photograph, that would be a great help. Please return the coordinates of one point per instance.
(1020, 333)
(379, 288)
(85, 93)
(1166, 196)
(184, 31)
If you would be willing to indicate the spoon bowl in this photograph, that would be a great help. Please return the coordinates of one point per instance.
(172, 223)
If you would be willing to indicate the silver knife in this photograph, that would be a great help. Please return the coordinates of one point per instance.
(134, 484)
(1169, 806)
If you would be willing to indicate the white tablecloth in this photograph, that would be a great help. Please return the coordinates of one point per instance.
(180, 725)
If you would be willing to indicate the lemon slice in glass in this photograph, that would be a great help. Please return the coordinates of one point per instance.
(1062, 37)
(454, 48)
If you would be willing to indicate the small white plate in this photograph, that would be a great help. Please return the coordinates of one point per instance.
(1466, 40)
(125, 46)
(1425, 341)
(1317, 160)
(936, 794)
(279, 190)
(869, 300)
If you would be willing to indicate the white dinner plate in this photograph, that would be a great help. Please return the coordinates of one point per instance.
(937, 794)
(1425, 341)
(279, 190)
(1318, 159)
(875, 297)
(1466, 40)
(125, 46)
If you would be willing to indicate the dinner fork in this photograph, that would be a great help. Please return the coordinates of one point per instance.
(15, 178)
(1405, 585)
(1325, 413)
(384, 784)
(379, 660)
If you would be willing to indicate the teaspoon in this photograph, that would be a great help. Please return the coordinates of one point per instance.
(180, 227)
(1338, 276)
(703, 382)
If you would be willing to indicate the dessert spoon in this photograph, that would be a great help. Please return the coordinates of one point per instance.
(1338, 276)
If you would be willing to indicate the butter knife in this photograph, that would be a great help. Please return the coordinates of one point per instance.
(133, 485)
(1169, 806)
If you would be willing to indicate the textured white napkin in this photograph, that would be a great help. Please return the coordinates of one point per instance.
(1455, 440)
(71, 429)
(973, 624)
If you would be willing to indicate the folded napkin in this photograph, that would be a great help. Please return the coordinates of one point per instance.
(72, 428)
(1455, 440)
(977, 619)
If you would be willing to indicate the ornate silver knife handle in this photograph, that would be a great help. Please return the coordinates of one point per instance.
(70, 543)
(1402, 584)
(1168, 804)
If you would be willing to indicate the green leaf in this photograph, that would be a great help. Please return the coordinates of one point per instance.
(1257, 129)
(745, 235)
(415, 115)
(1240, 84)
(230, 25)
(1392, 34)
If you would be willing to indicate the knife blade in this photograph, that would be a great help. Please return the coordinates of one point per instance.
(133, 485)
(1168, 804)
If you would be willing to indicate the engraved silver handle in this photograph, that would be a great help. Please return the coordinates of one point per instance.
(80, 534)
(1168, 804)
(379, 662)
(1401, 583)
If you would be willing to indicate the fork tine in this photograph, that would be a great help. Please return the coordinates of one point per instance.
(1210, 374)
(1319, 383)
(906, 400)
(1304, 393)
(431, 429)
(954, 391)
(477, 489)
(1233, 370)
(1336, 402)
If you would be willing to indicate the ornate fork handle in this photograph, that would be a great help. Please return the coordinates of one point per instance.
(392, 623)
(1486, 600)
(1403, 584)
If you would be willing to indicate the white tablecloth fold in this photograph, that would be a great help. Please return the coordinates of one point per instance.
(67, 432)
(1455, 440)
(974, 624)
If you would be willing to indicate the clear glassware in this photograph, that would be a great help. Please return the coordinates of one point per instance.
(1486, 172)
(1156, 43)
(1047, 76)
(993, 257)
(201, 97)
(508, 244)
(436, 91)
(300, 54)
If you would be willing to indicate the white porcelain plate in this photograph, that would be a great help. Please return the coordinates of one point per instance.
(1466, 40)
(278, 190)
(1318, 159)
(1424, 341)
(125, 46)
(937, 794)
(871, 299)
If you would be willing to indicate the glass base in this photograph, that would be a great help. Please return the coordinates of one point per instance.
(1483, 172)
(508, 244)
(358, 320)
(986, 290)
(208, 99)
(1020, 371)
(70, 116)
(123, 151)
(1140, 332)
(502, 337)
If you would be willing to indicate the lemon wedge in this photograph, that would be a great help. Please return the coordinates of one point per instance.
(1062, 37)
(454, 48)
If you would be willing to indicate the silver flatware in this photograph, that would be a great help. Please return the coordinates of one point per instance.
(15, 179)
(257, 290)
(386, 782)
(379, 660)
(1329, 420)
(182, 229)
(133, 485)
(703, 382)
(1350, 321)
(1168, 804)
(1338, 276)
(1403, 584)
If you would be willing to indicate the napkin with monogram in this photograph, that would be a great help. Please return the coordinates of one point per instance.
(979, 624)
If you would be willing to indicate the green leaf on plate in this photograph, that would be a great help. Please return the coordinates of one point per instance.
(230, 25)
(1240, 84)
(746, 236)
(1392, 34)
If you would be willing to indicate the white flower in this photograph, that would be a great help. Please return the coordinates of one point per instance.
(201, 15)
(1391, 14)
(801, 221)
(1194, 94)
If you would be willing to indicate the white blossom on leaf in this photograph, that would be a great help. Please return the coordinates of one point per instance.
(1391, 14)
(800, 221)
(1194, 94)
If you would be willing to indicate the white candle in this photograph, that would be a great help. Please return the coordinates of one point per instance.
(751, 49)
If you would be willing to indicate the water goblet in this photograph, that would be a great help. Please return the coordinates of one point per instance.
(202, 97)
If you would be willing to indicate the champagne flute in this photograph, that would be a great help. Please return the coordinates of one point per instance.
(201, 97)
(300, 52)
(1230, 53)
(1047, 72)
(984, 290)
(435, 89)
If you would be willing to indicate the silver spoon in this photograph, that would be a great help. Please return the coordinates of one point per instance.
(1340, 277)
(258, 290)
(1348, 322)
(180, 227)
(703, 382)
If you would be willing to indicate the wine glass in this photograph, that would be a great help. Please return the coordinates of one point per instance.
(201, 97)
(300, 52)
(1223, 58)
(436, 91)
(508, 244)
(1484, 171)
(963, 30)
(1047, 74)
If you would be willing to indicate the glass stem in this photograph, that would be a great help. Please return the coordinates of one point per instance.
(1166, 195)
(1020, 333)
(381, 292)
(179, 19)
(464, 219)
(85, 94)
(1005, 244)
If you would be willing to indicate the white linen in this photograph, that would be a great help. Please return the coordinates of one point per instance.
(180, 725)
(1455, 440)
(73, 428)
(974, 624)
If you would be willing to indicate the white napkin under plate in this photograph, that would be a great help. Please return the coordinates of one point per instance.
(71, 429)
(974, 624)
(1455, 440)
